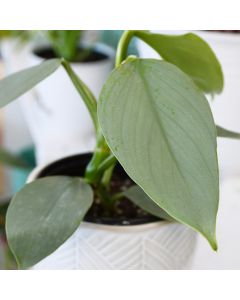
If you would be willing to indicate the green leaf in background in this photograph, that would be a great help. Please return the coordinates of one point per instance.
(141, 199)
(191, 54)
(12, 160)
(160, 127)
(224, 133)
(65, 43)
(19, 83)
(43, 215)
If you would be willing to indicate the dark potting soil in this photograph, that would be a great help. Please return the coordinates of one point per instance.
(124, 212)
(91, 56)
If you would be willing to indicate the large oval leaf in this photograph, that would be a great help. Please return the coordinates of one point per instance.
(19, 83)
(43, 215)
(159, 126)
(191, 54)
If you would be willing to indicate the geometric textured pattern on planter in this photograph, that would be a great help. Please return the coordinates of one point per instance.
(154, 246)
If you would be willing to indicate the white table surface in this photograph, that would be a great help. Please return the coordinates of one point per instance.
(228, 232)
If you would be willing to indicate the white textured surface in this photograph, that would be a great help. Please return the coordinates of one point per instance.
(161, 246)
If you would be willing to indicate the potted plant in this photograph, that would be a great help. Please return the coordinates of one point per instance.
(47, 104)
(153, 171)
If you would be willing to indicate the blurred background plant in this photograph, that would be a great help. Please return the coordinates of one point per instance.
(66, 43)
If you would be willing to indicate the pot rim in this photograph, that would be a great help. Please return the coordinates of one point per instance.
(103, 227)
(100, 47)
(125, 228)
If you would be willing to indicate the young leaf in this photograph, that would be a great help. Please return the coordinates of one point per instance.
(222, 132)
(141, 199)
(159, 126)
(43, 215)
(19, 83)
(191, 54)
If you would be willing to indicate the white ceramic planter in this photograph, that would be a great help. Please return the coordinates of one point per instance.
(225, 107)
(154, 246)
(14, 54)
(57, 117)
(157, 246)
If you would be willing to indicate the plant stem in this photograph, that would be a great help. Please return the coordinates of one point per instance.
(106, 178)
(101, 152)
(105, 197)
(84, 92)
(98, 167)
(123, 46)
(107, 163)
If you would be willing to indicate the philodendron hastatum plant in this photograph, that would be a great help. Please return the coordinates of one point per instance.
(154, 119)
(64, 43)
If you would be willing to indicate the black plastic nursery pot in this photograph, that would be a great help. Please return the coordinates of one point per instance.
(130, 214)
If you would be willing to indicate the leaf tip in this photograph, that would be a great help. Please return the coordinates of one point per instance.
(214, 245)
(211, 238)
